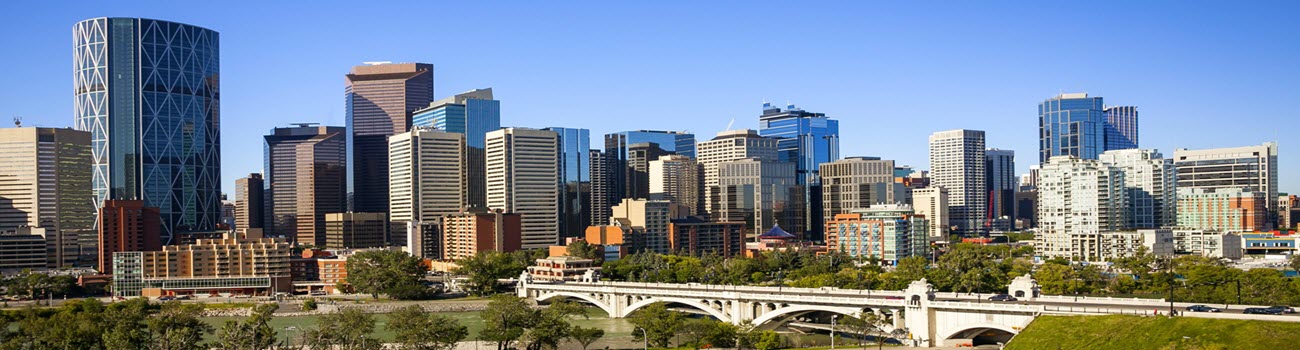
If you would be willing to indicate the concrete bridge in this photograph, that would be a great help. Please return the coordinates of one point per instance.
(916, 316)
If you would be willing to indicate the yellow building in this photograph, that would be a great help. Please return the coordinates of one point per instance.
(244, 263)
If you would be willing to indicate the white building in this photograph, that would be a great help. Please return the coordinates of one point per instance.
(1251, 167)
(1078, 199)
(728, 146)
(650, 220)
(426, 181)
(932, 202)
(957, 163)
(1149, 181)
(522, 173)
(1208, 243)
(676, 178)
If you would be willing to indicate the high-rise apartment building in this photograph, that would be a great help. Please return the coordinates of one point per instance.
(148, 91)
(468, 233)
(236, 263)
(857, 183)
(761, 193)
(1222, 209)
(957, 161)
(808, 140)
(1001, 182)
(426, 182)
(1149, 181)
(728, 146)
(250, 202)
(306, 177)
(932, 202)
(473, 113)
(380, 100)
(649, 221)
(522, 173)
(126, 226)
(45, 182)
(1078, 199)
(1253, 168)
(676, 178)
(575, 180)
(889, 232)
(598, 202)
(1121, 127)
(355, 230)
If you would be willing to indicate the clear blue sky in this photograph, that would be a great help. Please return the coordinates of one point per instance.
(1204, 74)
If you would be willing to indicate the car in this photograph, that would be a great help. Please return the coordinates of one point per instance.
(1282, 309)
(1203, 308)
(1002, 297)
(166, 298)
(891, 297)
(1260, 311)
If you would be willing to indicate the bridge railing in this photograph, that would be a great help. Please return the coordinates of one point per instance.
(802, 295)
(966, 305)
(732, 288)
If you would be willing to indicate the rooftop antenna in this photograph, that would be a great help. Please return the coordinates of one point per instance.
(18, 122)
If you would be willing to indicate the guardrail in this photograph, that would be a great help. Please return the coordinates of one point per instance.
(761, 294)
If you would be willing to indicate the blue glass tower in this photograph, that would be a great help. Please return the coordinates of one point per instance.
(1071, 124)
(575, 180)
(149, 93)
(808, 140)
(474, 113)
(628, 155)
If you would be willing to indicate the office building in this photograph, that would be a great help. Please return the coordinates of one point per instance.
(575, 180)
(1071, 124)
(522, 173)
(1222, 209)
(473, 113)
(319, 271)
(380, 100)
(1121, 127)
(1001, 182)
(888, 232)
(306, 177)
(1026, 209)
(1288, 211)
(808, 140)
(426, 175)
(1253, 168)
(249, 202)
(932, 202)
(126, 226)
(45, 182)
(244, 263)
(598, 202)
(23, 248)
(649, 220)
(957, 164)
(1149, 181)
(676, 178)
(761, 193)
(355, 230)
(697, 236)
(153, 114)
(1207, 243)
(478, 230)
(857, 183)
(728, 146)
(628, 155)
(1078, 199)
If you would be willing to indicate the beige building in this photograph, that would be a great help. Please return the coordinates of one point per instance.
(650, 220)
(957, 162)
(728, 146)
(1078, 199)
(45, 181)
(932, 202)
(355, 230)
(562, 268)
(522, 178)
(22, 248)
(676, 178)
(426, 181)
(249, 202)
(1207, 243)
(243, 262)
(761, 193)
(858, 183)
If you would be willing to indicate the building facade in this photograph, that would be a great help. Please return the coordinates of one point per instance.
(356, 230)
(598, 203)
(473, 113)
(932, 202)
(858, 183)
(889, 232)
(522, 173)
(22, 248)
(761, 193)
(470, 232)
(1222, 209)
(628, 155)
(45, 182)
(575, 180)
(1149, 181)
(249, 202)
(1001, 182)
(1253, 168)
(808, 140)
(126, 226)
(677, 179)
(1208, 243)
(1078, 199)
(380, 99)
(1121, 127)
(1071, 124)
(247, 264)
(957, 164)
(649, 220)
(697, 236)
(426, 175)
(728, 146)
(306, 177)
(149, 93)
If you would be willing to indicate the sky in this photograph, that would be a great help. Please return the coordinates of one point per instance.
(1203, 74)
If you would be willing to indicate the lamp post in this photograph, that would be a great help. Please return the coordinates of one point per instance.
(645, 338)
(833, 317)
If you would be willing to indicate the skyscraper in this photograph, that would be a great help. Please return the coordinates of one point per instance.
(598, 203)
(808, 140)
(1253, 168)
(473, 113)
(728, 146)
(761, 193)
(45, 183)
(676, 178)
(575, 180)
(306, 174)
(1149, 181)
(1001, 181)
(1078, 199)
(522, 171)
(957, 164)
(1121, 127)
(858, 183)
(629, 153)
(1071, 124)
(148, 91)
(427, 175)
(249, 202)
(380, 100)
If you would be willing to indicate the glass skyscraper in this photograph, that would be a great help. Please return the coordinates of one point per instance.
(1079, 125)
(1121, 127)
(575, 180)
(149, 93)
(380, 100)
(808, 140)
(628, 155)
(473, 113)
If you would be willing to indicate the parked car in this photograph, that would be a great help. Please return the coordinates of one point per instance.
(1203, 308)
(1002, 297)
(1282, 309)
(1260, 311)
(891, 297)
(166, 298)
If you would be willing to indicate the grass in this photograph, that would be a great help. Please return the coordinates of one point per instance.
(1135, 332)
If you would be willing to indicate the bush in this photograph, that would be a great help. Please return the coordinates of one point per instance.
(412, 292)
(309, 305)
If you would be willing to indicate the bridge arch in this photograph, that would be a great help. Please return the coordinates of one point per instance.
(718, 314)
(584, 297)
(779, 313)
(974, 330)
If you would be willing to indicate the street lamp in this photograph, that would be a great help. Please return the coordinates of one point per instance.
(645, 338)
(833, 317)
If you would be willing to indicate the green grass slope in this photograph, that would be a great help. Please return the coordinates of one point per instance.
(1136, 332)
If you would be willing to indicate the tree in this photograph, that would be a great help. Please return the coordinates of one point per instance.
(347, 329)
(377, 272)
(1294, 262)
(586, 336)
(695, 330)
(416, 329)
(485, 268)
(584, 250)
(254, 333)
(868, 323)
(659, 324)
(505, 319)
(178, 327)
